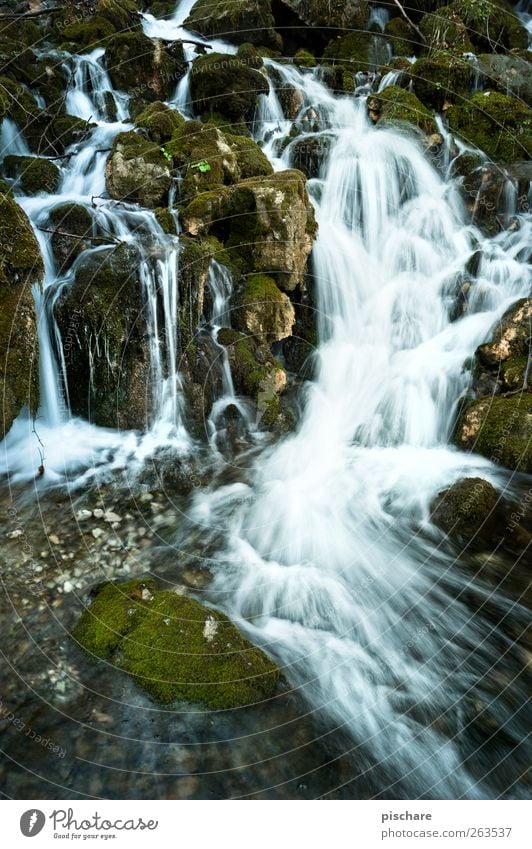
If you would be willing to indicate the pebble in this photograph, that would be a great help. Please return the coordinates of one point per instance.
(54, 539)
(97, 532)
(109, 516)
(83, 515)
(98, 513)
(68, 586)
(15, 534)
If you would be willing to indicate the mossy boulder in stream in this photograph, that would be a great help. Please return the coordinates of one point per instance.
(159, 121)
(446, 30)
(331, 14)
(441, 79)
(402, 37)
(499, 125)
(395, 105)
(103, 334)
(32, 173)
(72, 223)
(492, 25)
(86, 36)
(149, 69)
(247, 21)
(510, 74)
(262, 310)
(472, 513)
(20, 268)
(504, 364)
(137, 170)
(123, 14)
(227, 85)
(500, 428)
(175, 648)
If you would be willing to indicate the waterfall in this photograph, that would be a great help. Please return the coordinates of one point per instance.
(11, 140)
(90, 94)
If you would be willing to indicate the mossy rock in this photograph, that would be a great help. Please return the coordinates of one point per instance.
(264, 311)
(499, 125)
(175, 648)
(502, 363)
(69, 218)
(510, 74)
(356, 51)
(145, 68)
(446, 30)
(166, 221)
(86, 36)
(499, 428)
(21, 267)
(159, 121)
(194, 260)
(330, 14)
(17, 104)
(247, 21)
(471, 512)
(441, 79)
(33, 174)
(396, 105)
(309, 152)
(52, 137)
(492, 25)
(402, 37)
(251, 160)
(225, 84)
(137, 170)
(122, 14)
(305, 59)
(103, 332)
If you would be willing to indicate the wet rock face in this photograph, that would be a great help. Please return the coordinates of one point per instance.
(148, 69)
(499, 428)
(100, 316)
(396, 105)
(174, 647)
(499, 125)
(247, 21)
(226, 85)
(20, 268)
(505, 363)
(341, 14)
(511, 74)
(264, 311)
(137, 170)
(72, 224)
(33, 174)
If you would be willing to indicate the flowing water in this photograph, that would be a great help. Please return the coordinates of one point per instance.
(328, 557)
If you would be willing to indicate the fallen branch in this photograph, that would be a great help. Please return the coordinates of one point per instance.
(15, 16)
(103, 239)
(410, 21)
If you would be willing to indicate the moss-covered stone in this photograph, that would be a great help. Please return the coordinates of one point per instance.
(332, 14)
(500, 126)
(510, 74)
(499, 428)
(446, 30)
(137, 170)
(396, 105)
(441, 79)
(85, 36)
(226, 85)
(166, 221)
(174, 647)
(492, 25)
(122, 14)
(32, 173)
(74, 219)
(147, 69)
(357, 51)
(470, 512)
(502, 364)
(247, 21)
(402, 37)
(263, 310)
(159, 121)
(305, 59)
(20, 268)
(103, 332)
(309, 152)
(194, 260)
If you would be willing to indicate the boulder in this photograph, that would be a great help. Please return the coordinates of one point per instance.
(499, 428)
(398, 106)
(137, 170)
(148, 69)
(492, 25)
(100, 317)
(226, 85)
(175, 648)
(74, 219)
(504, 364)
(499, 125)
(21, 268)
(441, 80)
(159, 122)
(33, 174)
(263, 311)
(331, 14)
(403, 39)
(446, 30)
(247, 21)
(508, 73)
(468, 511)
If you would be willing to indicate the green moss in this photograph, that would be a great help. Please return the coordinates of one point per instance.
(246, 21)
(166, 220)
(501, 126)
(146, 69)
(138, 171)
(252, 162)
(441, 78)
(225, 84)
(353, 50)
(403, 39)
(175, 648)
(160, 121)
(75, 219)
(492, 25)
(194, 260)
(505, 358)
(305, 59)
(122, 14)
(260, 287)
(446, 30)
(33, 173)
(86, 36)
(396, 105)
(499, 428)
(468, 511)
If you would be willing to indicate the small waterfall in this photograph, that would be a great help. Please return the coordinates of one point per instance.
(90, 94)
(12, 141)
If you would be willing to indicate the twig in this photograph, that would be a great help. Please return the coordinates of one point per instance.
(57, 232)
(40, 470)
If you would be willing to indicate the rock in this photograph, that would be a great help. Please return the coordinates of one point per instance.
(499, 428)
(446, 30)
(492, 26)
(20, 268)
(83, 515)
(148, 69)
(357, 51)
(159, 121)
(194, 261)
(308, 153)
(104, 340)
(465, 509)
(499, 125)
(33, 174)
(336, 14)
(122, 14)
(290, 97)
(83, 36)
(504, 363)
(441, 80)
(264, 311)
(267, 225)
(97, 532)
(69, 218)
(174, 647)
(403, 39)
(137, 171)
(508, 73)
(396, 105)
(247, 21)
(54, 539)
(226, 85)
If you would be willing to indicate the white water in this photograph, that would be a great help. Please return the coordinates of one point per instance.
(327, 562)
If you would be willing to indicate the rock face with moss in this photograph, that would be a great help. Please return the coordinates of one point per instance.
(247, 21)
(32, 173)
(466, 510)
(137, 170)
(441, 79)
(175, 648)
(100, 317)
(20, 268)
(226, 85)
(266, 224)
(263, 310)
(508, 73)
(499, 428)
(505, 363)
(499, 125)
(337, 14)
(397, 106)
(159, 122)
(149, 69)
(72, 224)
